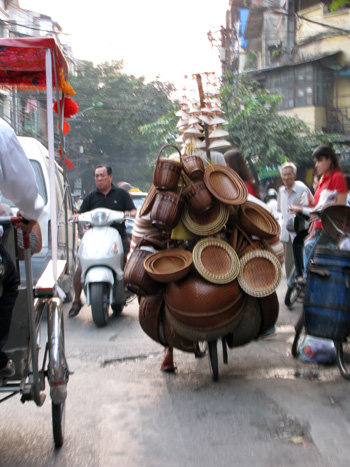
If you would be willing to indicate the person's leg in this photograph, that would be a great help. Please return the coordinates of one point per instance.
(168, 363)
(76, 305)
(309, 250)
(298, 252)
(7, 301)
(126, 247)
(288, 258)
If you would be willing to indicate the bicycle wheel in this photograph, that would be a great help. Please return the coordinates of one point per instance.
(58, 422)
(213, 359)
(343, 357)
(291, 296)
(298, 334)
(58, 372)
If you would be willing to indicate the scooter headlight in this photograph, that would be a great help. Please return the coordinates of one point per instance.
(100, 217)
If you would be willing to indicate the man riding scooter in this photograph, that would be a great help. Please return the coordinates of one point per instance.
(106, 195)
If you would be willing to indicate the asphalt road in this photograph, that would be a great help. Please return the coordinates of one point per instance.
(267, 409)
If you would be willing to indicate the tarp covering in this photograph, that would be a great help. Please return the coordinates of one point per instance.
(22, 62)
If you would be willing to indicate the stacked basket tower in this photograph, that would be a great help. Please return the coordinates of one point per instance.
(193, 118)
(206, 256)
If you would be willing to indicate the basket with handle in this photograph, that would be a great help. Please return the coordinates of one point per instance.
(135, 276)
(166, 173)
(193, 166)
(167, 209)
(197, 195)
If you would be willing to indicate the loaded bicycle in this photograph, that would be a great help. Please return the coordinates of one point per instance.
(326, 311)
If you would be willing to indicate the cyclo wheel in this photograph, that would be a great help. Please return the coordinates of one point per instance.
(343, 357)
(58, 372)
(58, 422)
(213, 359)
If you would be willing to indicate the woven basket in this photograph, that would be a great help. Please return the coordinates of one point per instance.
(207, 223)
(166, 210)
(169, 265)
(225, 184)
(202, 305)
(148, 202)
(174, 339)
(215, 260)
(258, 221)
(135, 276)
(150, 310)
(193, 166)
(198, 334)
(260, 273)
(335, 220)
(166, 173)
(269, 307)
(198, 197)
(249, 326)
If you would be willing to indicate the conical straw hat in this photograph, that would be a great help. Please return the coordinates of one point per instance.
(217, 120)
(204, 118)
(219, 143)
(218, 133)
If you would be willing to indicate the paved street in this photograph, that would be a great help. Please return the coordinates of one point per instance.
(267, 409)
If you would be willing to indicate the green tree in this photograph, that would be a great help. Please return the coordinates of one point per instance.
(256, 127)
(113, 106)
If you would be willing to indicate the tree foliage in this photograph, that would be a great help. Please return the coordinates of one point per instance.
(113, 107)
(256, 127)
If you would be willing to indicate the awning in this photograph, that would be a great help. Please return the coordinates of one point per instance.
(22, 62)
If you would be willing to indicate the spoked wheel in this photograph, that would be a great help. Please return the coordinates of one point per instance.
(58, 371)
(343, 357)
(58, 422)
(291, 296)
(99, 303)
(213, 358)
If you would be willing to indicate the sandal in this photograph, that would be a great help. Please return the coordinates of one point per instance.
(76, 307)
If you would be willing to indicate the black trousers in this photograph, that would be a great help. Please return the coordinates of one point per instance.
(10, 285)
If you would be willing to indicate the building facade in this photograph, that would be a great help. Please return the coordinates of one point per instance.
(300, 50)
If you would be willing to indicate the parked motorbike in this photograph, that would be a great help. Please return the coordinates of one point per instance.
(101, 257)
(296, 289)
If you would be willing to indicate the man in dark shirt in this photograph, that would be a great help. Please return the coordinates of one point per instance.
(108, 196)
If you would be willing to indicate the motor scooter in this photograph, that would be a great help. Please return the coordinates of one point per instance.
(101, 256)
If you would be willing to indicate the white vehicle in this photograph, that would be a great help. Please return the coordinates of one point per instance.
(101, 256)
(66, 232)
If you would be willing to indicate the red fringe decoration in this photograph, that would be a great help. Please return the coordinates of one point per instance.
(70, 107)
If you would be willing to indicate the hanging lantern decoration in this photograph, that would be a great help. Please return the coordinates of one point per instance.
(66, 128)
(70, 107)
(68, 163)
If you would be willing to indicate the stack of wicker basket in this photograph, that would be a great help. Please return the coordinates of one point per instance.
(211, 270)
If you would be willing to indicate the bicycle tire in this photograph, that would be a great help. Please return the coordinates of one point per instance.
(298, 330)
(343, 357)
(58, 372)
(213, 359)
(58, 422)
(291, 296)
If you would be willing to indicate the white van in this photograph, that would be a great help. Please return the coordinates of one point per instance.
(39, 158)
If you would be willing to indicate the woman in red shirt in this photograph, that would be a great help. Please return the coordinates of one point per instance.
(332, 180)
